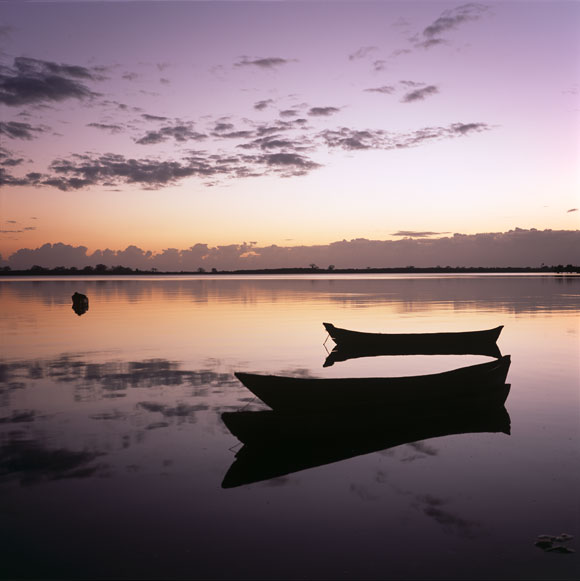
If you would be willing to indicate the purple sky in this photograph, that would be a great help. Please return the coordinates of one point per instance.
(169, 125)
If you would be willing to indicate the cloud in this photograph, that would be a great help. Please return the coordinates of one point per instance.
(385, 90)
(292, 160)
(415, 234)
(420, 94)
(430, 43)
(221, 126)
(322, 111)
(33, 81)
(453, 17)
(261, 105)
(180, 133)
(572, 210)
(517, 247)
(8, 160)
(264, 63)
(407, 83)
(351, 139)
(15, 130)
(361, 53)
(272, 149)
(113, 129)
(153, 117)
(379, 65)
(288, 113)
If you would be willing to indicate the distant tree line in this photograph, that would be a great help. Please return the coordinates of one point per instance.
(103, 269)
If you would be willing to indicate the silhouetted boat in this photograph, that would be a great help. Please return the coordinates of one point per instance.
(278, 444)
(463, 342)
(448, 389)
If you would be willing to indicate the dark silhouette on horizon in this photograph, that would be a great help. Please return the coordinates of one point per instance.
(103, 270)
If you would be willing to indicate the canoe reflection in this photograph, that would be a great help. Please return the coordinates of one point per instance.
(277, 444)
(339, 354)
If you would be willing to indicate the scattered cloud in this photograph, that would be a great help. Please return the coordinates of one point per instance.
(263, 63)
(408, 83)
(34, 81)
(362, 52)
(385, 90)
(288, 113)
(572, 210)
(110, 128)
(415, 234)
(420, 94)
(149, 117)
(430, 43)
(15, 130)
(276, 148)
(322, 111)
(261, 105)
(8, 160)
(453, 17)
(180, 133)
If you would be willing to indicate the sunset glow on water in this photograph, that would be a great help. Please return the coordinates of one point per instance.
(114, 451)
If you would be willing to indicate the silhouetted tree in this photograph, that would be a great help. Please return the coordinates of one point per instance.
(101, 268)
(313, 266)
(331, 267)
(201, 270)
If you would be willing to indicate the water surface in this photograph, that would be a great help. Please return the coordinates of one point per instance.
(113, 451)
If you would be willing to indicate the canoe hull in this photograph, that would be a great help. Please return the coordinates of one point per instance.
(467, 342)
(450, 389)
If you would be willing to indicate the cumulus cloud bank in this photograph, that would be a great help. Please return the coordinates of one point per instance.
(517, 247)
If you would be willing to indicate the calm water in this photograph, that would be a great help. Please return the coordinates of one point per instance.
(113, 451)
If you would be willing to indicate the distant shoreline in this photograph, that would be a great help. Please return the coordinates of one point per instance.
(102, 270)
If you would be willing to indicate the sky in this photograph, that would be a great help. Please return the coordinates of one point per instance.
(249, 127)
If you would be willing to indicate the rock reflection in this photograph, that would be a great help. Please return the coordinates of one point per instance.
(277, 444)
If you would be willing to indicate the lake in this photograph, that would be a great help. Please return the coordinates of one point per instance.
(114, 454)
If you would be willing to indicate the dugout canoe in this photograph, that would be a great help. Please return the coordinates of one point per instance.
(451, 389)
(463, 342)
